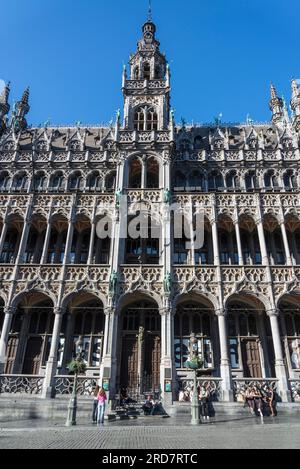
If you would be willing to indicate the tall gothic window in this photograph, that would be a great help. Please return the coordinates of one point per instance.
(291, 333)
(4, 181)
(145, 119)
(290, 180)
(193, 318)
(270, 181)
(251, 182)
(93, 182)
(145, 248)
(89, 326)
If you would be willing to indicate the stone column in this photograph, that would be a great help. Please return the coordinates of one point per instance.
(51, 368)
(144, 173)
(215, 242)
(239, 242)
(8, 317)
(262, 242)
(280, 369)
(69, 241)
(225, 362)
(3, 236)
(92, 242)
(108, 369)
(286, 244)
(24, 238)
(167, 372)
(46, 243)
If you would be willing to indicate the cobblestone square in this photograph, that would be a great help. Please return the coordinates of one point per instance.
(156, 433)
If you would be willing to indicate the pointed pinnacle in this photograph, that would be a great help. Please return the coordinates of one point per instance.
(25, 96)
(5, 94)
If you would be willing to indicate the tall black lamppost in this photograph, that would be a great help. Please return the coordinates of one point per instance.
(77, 366)
(194, 363)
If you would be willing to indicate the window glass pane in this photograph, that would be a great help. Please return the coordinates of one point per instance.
(208, 355)
(196, 324)
(231, 326)
(184, 351)
(252, 325)
(289, 325)
(243, 325)
(96, 352)
(234, 355)
(60, 351)
(297, 323)
(177, 353)
(294, 347)
(206, 325)
(185, 325)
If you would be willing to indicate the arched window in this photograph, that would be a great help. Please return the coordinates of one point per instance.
(152, 174)
(75, 181)
(215, 181)
(57, 181)
(193, 318)
(139, 119)
(40, 182)
(145, 248)
(180, 181)
(89, 328)
(145, 119)
(110, 182)
(291, 333)
(93, 182)
(290, 180)
(135, 174)
(147, 71)
(270, 181)
(232, 180)
(20, 182)
(4, 181)
(10, 246)
(250, 180)
(196, 181)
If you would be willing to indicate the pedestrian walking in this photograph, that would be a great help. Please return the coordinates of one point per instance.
(101, 406)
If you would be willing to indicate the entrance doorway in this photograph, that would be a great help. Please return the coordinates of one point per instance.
(141, 349)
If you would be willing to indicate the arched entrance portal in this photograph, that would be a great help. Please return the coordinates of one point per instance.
(140, 348)
(250, 338)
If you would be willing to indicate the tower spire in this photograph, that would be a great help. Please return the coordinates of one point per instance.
(276, 106)
(4, 107)
(150, 11)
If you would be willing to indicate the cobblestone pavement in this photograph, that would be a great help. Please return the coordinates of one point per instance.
(167, 434)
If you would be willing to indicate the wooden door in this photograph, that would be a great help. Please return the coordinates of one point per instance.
(129, 363)
(152, 363)
(33, 356)
(251, 359)
(11, 352)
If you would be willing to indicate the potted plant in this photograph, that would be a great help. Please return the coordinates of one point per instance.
(194, 363)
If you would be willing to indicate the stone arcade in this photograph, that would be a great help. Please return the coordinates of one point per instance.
(134, 303)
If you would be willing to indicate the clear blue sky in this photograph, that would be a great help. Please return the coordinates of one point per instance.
(223, 55)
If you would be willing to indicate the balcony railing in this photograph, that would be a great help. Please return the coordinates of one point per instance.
(21, 384)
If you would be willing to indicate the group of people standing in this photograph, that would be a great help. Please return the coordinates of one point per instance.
(100, 399)
(260, 400)
(205, 396)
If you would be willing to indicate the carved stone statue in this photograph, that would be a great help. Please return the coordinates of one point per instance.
(167, 196)
(113, 283)
(118, 196)
(168, 283)
(141, 334)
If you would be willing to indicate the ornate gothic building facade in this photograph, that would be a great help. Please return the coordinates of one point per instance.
(131, 304)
